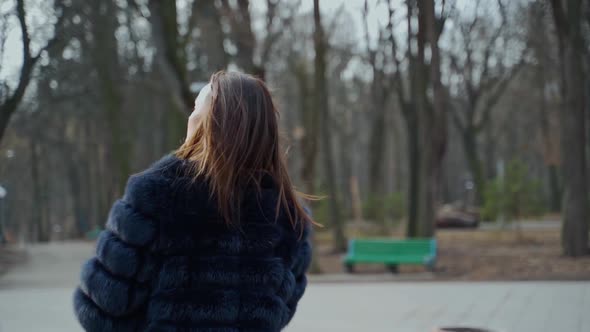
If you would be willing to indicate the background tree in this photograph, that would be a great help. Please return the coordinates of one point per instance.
(10, 100)
(370, 94)
(567, 16)
(424, 115)
(482, 68)
(322, 107)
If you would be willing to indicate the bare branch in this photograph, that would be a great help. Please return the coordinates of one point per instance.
(192, 22)
(397, 79)
(494, 97)
(370, 52)
(242, 35)
(3, 37)
(10, 104)
(469, 67)
(20, 11)
(273, 31)
(172, 67)
(492, 44)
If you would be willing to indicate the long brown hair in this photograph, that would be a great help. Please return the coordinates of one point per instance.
(237, 142)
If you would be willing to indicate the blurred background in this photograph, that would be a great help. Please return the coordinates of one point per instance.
(465, 121)
(460, 120)
(407, 115)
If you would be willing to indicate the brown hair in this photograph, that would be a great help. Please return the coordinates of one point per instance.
(237, 142)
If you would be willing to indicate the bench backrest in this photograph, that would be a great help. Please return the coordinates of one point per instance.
(387, 247)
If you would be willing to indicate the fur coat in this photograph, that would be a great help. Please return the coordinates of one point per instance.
(167, 263)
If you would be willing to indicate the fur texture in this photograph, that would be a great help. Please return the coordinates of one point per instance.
(167, 263)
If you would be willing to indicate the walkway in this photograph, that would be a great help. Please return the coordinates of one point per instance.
(36, 296)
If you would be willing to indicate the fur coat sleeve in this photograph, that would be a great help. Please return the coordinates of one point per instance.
(115, 284)
(124, 286)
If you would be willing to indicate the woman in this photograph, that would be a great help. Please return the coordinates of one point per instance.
(212, 238)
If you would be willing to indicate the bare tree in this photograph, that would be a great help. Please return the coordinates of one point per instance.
(545, 75)
(171, 55)
(10, 101)
(253, 52)
(322, 106)
(424, 115)
(484, 77)
(567, 15)
(379, 92)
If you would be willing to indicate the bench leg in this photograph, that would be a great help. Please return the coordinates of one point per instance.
(393, 268)
(349, 268)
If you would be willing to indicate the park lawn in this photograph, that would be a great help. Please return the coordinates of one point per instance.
(478, 255)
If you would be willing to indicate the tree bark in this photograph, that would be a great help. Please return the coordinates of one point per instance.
(436, 132)
(171, 55)
(573, 131)
(309, 142)
(37, 229)
(413, 163)
(549, 145)
(106, 62)
(428, 145)
(322, 107)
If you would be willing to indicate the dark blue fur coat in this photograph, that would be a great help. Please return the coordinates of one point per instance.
(167, 263)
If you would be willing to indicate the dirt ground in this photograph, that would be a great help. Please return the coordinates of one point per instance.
(477, 255)
(466, 255)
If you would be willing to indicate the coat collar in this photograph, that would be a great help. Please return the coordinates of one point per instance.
(173, 167)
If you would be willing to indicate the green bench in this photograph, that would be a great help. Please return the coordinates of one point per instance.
(391, 252)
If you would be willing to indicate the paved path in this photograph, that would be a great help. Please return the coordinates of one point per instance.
(36, 297)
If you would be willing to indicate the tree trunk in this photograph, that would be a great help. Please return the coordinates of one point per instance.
(376, 152)
(311, 120)
(427, 185)
(410, 112)
(107, 67)
(6, 112)
(37, 231)
(322, 107)
(413, 164)
(573, 131)
(309, 139)
(437, 130)
(170, 55)
(549, 146)
(376, 164)
(474, 163)
(430, 122)
(554, 188)
(79, 209)
(10, 104)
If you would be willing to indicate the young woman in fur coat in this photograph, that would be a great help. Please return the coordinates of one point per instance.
(210, 238)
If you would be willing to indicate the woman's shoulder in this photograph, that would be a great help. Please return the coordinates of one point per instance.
(163, 186)
(169, 166)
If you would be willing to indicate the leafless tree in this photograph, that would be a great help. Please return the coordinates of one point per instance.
(321, 106)
(485, 64)
(424, 115)
(11, 100)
